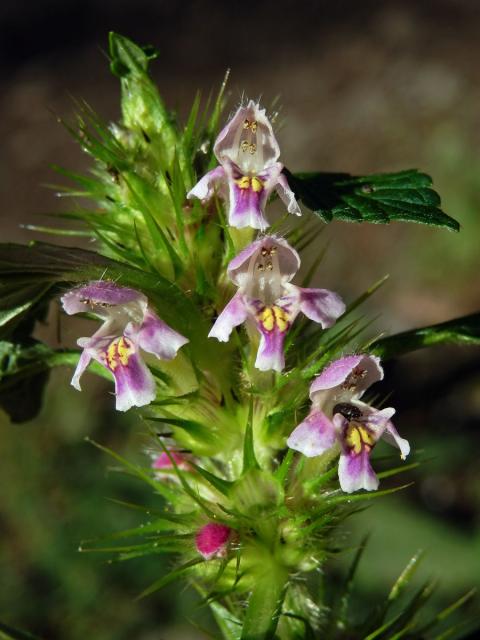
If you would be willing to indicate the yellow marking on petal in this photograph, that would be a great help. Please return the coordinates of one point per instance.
(281, 318)
(267, 318)
(124, 350)
(243, 183)
(358, 437)
(257, 184)
(271, 317)
(353, 438)
(367, 437)
(118, 353)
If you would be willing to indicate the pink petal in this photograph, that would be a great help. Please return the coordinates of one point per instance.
(270, 355)
(288, 259)
(98, 295)
(205, 187)
(392, 436)
(234, 314)
(337, 372)
(227, 144)
(313, 436)
(287, 195)
(156, 337)
(355, 472)
(321, 305)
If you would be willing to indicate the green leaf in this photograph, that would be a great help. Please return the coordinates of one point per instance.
(445, 613)
(281, 473)
(230, 626)
(406, 196)
(464, 330)
(186, 486)
(349, 581)
(249, 459)
(265, 605)
(23, 377)
(195, 429)
(170, 577)
(142, 107)
(221, 485)
(127, 57)
(137, 471)
(405, 577)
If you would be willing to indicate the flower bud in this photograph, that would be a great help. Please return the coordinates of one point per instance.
(212, 539)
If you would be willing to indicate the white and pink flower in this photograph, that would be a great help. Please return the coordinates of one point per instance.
(266, 298)
(129, 326)
(338, 416)
(249, 169)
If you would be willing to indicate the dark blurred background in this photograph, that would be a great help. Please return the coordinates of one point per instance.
(364, 87)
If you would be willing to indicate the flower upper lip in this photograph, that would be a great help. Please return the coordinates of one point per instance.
(249, 171)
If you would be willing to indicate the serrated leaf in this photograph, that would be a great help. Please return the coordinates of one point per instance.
(405, 196)
(464, 330)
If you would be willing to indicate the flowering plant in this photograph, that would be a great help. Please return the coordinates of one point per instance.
(252, 386)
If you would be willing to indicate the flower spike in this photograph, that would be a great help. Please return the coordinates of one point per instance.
(262, 272)
(249, 169)
(339, 416)
(128, 327)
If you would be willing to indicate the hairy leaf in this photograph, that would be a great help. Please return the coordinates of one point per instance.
(405, 196)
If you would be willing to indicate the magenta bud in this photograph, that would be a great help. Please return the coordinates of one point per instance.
(211, 540)
(163, 461)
